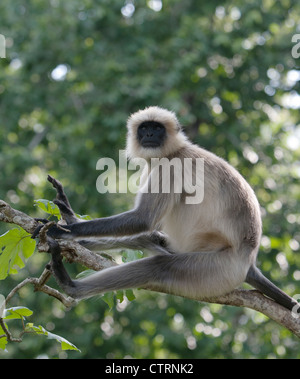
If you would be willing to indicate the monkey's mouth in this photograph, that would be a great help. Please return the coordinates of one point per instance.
(150, 144)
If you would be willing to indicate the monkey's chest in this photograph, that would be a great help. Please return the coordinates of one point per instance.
(192, 229)
(181, 231)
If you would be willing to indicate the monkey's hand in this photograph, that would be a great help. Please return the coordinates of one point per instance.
(54, 231)
(62, 201)
(59, 231)
(67, 213)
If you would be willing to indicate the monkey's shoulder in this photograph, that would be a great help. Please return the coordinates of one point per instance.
(213, 164)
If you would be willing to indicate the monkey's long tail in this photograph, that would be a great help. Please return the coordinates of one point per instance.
(260, 282)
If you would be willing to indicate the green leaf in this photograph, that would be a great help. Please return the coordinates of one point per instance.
(14, 245)
(131, 255)
(83, 217)
(108, 298)
(17, 313)
(48, 207)
(85, 273)
(39, 330)
(120, 295)
(65, 344)
(130, 295)
(3, 340)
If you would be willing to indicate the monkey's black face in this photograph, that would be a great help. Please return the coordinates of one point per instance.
(151, 134)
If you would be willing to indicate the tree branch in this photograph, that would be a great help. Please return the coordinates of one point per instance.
(71, 250)
(40, 286)
(74, 252)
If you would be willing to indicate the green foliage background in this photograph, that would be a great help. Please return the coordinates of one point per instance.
(75, 70)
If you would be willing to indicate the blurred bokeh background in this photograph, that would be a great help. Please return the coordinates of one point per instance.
(75, 70)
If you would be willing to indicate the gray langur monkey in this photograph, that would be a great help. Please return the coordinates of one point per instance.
(201, 250)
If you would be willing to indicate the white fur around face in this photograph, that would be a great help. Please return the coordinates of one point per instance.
(175, 139)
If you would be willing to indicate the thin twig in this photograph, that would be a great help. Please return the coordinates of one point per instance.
(67, 301)
(8, 334)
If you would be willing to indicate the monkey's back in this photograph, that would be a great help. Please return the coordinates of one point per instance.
(228, 216)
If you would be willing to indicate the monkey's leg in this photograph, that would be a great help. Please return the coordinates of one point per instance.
(57, 267)
(140, 273)
(154, 242)
(146, 272)
(175, 274)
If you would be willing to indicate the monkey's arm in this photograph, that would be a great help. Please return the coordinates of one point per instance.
(144, 217)
(126, 223)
